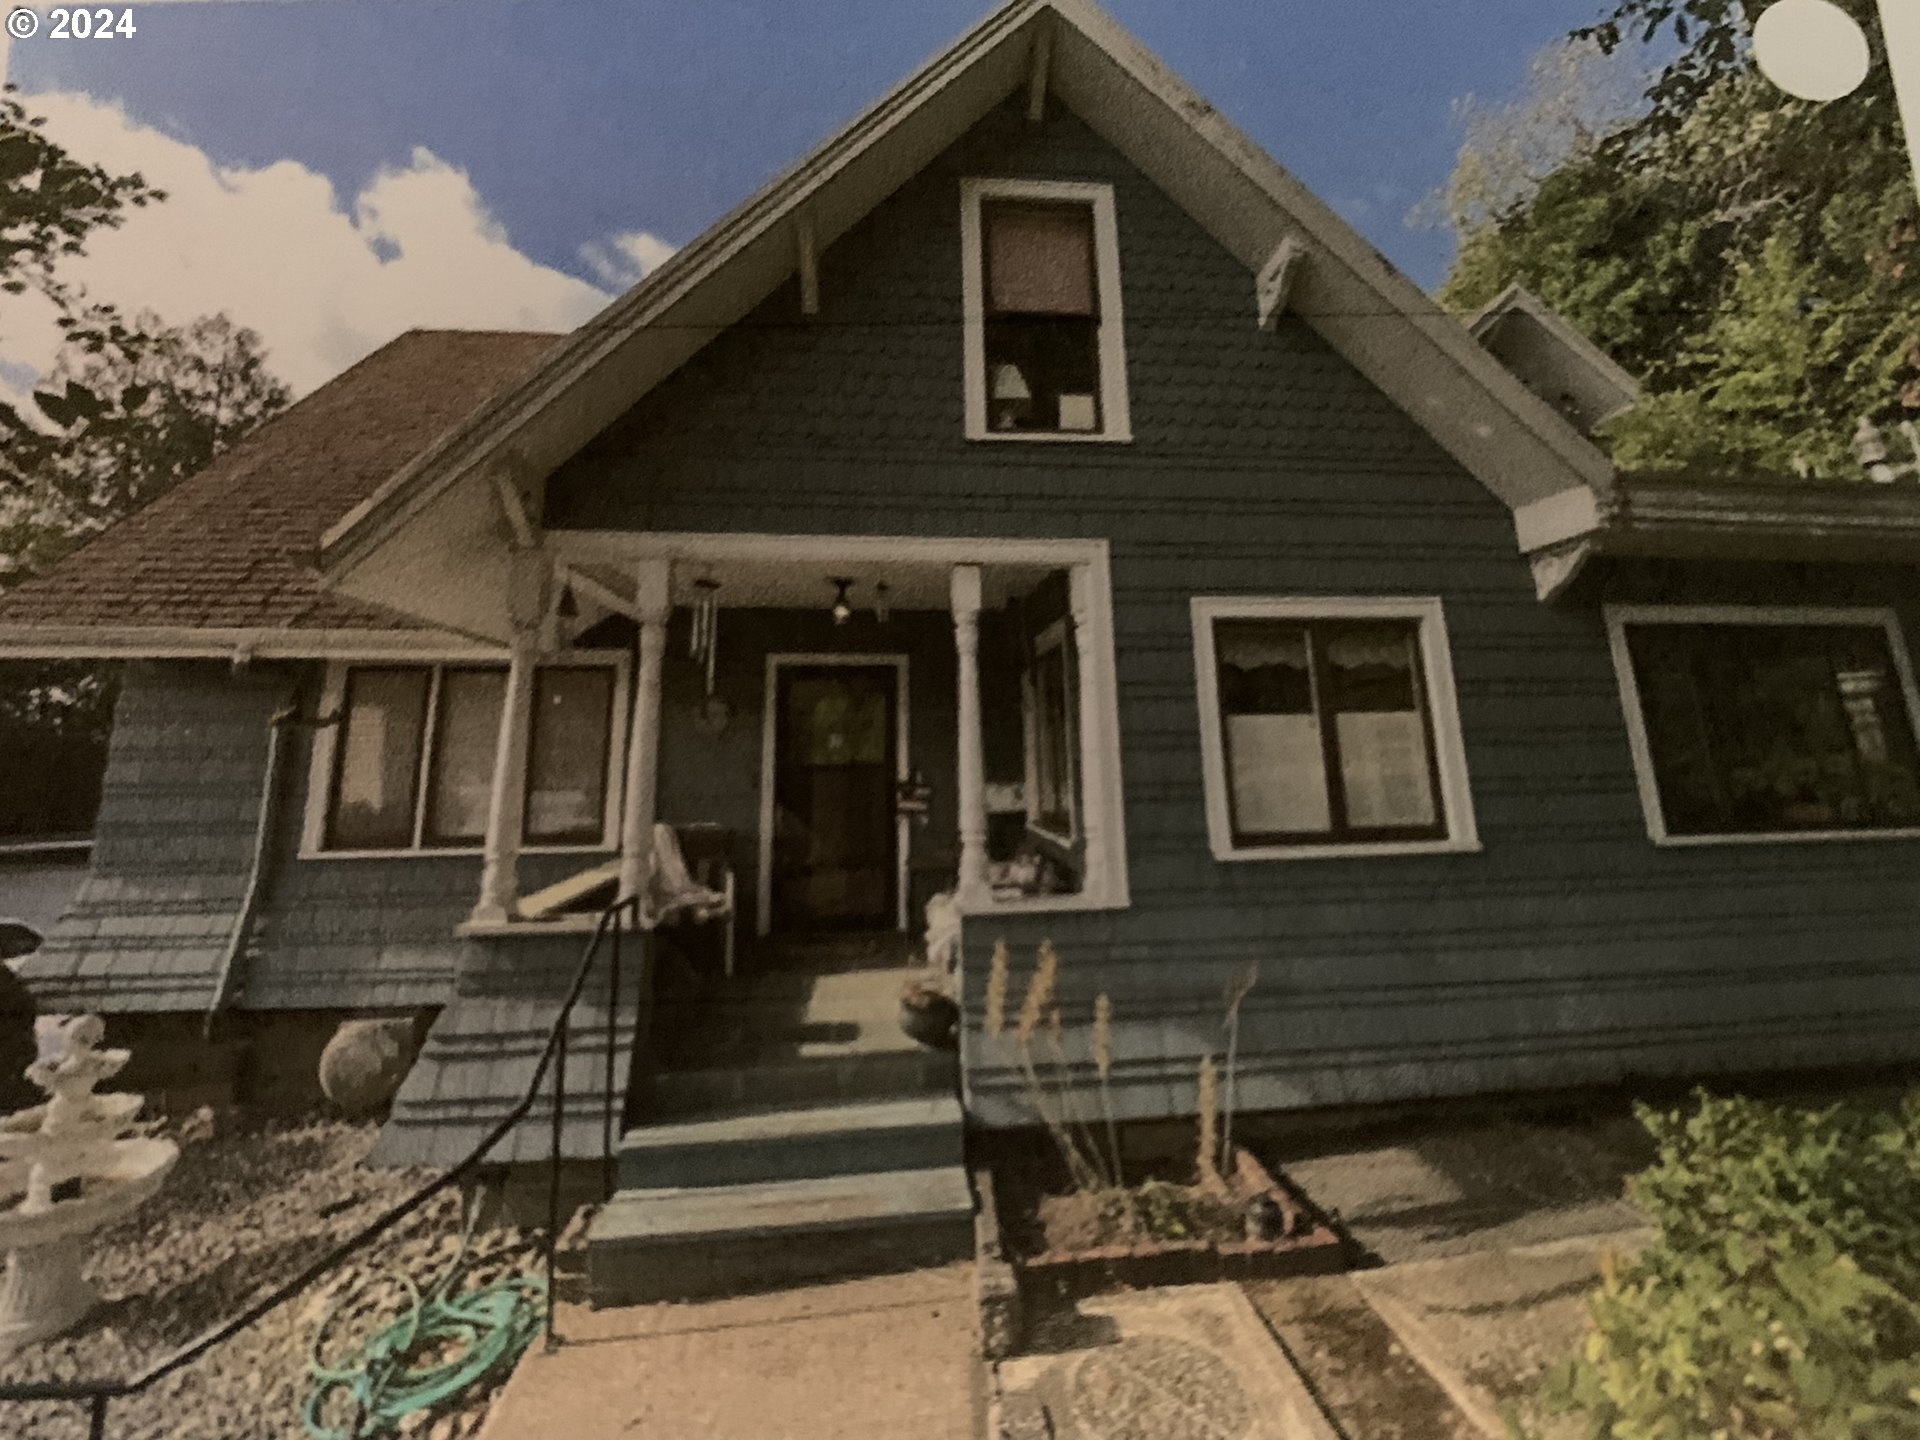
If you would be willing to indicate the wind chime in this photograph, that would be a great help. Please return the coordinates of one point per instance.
(706, 626)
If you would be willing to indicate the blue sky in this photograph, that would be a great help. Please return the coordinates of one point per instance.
(578, 120)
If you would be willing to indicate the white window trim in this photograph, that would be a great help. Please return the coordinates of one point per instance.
(1054, 637)
(1456, 789)
(313, 834)
(1618, 617)
(1115, 414)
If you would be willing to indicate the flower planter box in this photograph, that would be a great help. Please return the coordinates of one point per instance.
(1310, 1246)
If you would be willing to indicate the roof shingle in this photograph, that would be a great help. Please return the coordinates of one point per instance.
(235, 545)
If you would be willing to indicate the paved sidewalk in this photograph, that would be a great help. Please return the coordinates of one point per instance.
(870, 1359)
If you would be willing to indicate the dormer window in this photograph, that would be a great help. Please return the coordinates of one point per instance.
(1044, 352)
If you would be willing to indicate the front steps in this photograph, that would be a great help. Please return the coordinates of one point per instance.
(794, 1134)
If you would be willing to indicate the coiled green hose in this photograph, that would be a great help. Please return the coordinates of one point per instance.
(396, 1371)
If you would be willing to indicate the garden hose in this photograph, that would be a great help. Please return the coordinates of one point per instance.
(443, 1344)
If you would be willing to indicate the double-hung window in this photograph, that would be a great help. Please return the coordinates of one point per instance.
(1329, 727)
(408, 763)
(1769, 724)
(1045, 355)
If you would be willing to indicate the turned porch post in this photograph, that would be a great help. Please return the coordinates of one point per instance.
(972, 767)
(653, 597)
(1095, 832)
(529, 578)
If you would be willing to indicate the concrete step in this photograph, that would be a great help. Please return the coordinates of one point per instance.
(753, 1078)
(677, 1244)
(747, 1146)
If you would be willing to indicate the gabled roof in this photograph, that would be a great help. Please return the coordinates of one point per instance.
(437, 505)
(234, 547)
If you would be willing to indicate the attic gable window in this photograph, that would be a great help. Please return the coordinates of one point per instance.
(1769, 725)
(1045, 357)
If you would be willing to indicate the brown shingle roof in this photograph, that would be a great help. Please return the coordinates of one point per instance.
(234, 546)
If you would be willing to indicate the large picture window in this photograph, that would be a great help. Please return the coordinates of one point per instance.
(1329, 727)
(1043, 336)
(409, 766)
(1769, 724)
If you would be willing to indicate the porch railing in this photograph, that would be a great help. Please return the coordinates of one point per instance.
(615, 921)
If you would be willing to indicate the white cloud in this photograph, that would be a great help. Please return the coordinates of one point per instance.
(324, 283)
(626, 259)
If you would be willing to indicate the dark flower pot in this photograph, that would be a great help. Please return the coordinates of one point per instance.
(931, 1019)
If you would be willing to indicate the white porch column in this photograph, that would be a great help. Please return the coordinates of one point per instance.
(973, 765)
(528, 580)
(654, 602)
(1095, 831)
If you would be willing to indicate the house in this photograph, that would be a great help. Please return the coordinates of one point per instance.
(1035, 493)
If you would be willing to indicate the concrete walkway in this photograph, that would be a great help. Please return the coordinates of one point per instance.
(869, 1359)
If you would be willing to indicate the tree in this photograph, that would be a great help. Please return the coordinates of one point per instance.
(1750, 256)
(124, 426)
(129, 409)
(50, 202)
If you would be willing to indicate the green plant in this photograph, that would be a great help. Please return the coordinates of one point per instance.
(1780, 1296)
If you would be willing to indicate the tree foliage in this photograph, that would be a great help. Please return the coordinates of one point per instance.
(1751, 257)
(1779, 1298)
(50, 202)
(123, 426)
(130, 408)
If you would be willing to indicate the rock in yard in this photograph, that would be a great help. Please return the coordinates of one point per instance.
(363, 1065)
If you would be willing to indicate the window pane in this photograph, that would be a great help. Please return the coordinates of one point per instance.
(1276, 764)
(377, 773)
(1758, 729)
(466, 734)
(1043, 374)
(1380, 726)
(1040, 259)
(567, 770)
(1054, 742)
(1042, 328)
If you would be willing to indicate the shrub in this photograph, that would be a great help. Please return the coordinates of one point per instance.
(1780, 1297)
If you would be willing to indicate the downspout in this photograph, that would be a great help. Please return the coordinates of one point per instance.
(284, 720)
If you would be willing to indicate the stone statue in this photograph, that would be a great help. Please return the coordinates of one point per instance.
(67, 1169)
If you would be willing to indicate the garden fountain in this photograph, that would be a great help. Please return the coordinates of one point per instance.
(66, 1171)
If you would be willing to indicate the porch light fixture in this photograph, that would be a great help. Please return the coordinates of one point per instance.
(882, 603)
(842, 607)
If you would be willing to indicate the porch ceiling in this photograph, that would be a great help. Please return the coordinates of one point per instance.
(807, 584)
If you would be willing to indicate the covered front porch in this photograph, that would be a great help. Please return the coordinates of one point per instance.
(853, 725)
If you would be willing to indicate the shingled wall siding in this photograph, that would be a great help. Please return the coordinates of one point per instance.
(1570, 950)
(149, 926)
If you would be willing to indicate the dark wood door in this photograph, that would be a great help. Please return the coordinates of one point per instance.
(835, 839)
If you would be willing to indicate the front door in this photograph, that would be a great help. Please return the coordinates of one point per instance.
(835, 838)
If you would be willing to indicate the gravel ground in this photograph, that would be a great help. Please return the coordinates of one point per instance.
(242, 1212)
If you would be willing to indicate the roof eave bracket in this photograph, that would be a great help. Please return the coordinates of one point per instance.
(1278, 279)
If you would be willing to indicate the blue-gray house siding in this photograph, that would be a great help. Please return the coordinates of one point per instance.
(151, 925)
(1570, 949)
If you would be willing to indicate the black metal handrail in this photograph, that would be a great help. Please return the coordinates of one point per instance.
(98, 1394)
